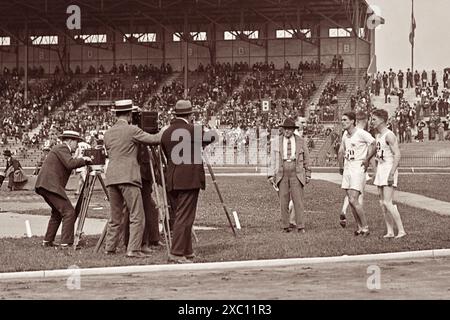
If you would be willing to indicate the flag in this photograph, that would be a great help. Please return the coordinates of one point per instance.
(413, 28)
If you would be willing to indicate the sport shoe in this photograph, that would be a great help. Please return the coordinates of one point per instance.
(287, 230)
(365, 232)
(343, 220)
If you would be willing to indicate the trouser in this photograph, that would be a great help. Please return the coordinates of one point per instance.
(185, 202)
(151, 225)
(130, 195)
(291, 188)
(62, 210)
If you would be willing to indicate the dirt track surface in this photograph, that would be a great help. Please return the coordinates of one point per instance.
(401, 279)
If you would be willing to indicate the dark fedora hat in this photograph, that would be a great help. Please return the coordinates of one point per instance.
(7, 153)
(70, 134)
(289, 123)
(183, 107)
(123, 105)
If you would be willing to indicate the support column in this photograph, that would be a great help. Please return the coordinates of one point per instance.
(356, 32)
(186, 36)
(25, 94)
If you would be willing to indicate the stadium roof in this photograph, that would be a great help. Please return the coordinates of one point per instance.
(14, 14)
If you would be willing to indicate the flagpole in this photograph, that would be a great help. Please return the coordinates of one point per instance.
(412, 43)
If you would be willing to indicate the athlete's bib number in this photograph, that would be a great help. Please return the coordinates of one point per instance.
(380, 152)
(350, 154)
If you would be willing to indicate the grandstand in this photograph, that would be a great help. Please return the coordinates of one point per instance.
(224, 55)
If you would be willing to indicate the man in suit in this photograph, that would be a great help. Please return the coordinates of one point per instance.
(409, 79)
(182, 144)
(290, 172)
(12, 165)
(123, 179)
(51, 183)
(151, 235)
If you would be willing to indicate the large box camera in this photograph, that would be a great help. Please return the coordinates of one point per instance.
(98, 156)
(146, 120)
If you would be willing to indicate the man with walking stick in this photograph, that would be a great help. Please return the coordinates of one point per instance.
(182, 144)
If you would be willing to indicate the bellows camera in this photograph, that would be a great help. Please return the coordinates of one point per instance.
(98, 156)
(146, 120)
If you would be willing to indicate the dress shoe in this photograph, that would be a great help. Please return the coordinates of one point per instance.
(136, 254)
(110, 252)
(147, 250)
(47, 244)
(190, 256)
(178, 259)
(301, 230)
(287, 230)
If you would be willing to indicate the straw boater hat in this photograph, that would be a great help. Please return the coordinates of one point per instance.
(289, 123)
(183, 107)
(70, 134)
(123, 105)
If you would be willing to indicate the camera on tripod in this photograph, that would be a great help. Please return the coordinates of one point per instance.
(146, 120)
(98, 158)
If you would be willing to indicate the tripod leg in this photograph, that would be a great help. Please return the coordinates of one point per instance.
(160, 205)
(82, 211)
(83, 216)
(164, 196)
(105, 229)
(103, 186)
(102, 238)
(213, 177)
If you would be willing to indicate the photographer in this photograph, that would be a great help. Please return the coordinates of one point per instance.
(51, 183)
(151, 236)
(123, 179)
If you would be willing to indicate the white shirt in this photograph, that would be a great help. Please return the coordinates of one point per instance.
(384, 152)
(357, 144)
(285, 142)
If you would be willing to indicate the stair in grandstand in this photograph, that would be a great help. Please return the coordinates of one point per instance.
(316, 96)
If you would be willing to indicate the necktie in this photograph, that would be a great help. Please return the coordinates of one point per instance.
(289, 149)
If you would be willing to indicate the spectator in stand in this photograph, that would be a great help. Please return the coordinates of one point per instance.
(12, 165)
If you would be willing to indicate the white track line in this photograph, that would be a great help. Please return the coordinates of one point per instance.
(216, 266)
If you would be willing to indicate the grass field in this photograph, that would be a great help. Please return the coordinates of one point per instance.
(430, 185)
(260, 237)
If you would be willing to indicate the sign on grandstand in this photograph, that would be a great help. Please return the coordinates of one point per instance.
(265, 105)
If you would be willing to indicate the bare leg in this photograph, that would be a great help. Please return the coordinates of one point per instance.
(357, 209)
(387, 216)
(388, 192)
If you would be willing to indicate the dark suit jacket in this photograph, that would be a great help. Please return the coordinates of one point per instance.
(121, 143)
(144, 162)
(190, 174)
(302, 169)
(56, 170)
(11, 166)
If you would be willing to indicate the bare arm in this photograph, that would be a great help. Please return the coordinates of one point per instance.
(392, 142)
(341, 155)
(370, 153)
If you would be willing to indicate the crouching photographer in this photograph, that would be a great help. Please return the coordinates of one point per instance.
(51, 183)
